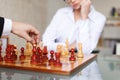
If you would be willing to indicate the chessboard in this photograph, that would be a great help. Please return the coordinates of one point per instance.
(40, 62)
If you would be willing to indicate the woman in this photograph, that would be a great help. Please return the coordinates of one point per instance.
(79, 22)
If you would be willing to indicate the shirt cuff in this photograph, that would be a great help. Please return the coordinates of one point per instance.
(7, 27)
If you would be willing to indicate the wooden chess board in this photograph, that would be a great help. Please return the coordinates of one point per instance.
(67, 68)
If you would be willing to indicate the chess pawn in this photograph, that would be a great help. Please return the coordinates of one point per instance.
(72, 56)
(51, 61)
(22, 56)
(80, 53)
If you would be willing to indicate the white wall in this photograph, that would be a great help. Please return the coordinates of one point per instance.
(104, 6)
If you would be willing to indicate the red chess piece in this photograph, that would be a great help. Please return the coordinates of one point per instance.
(72, 57)
(1, 58)
(22, 56)
(57, 61)
(8, 56)
(45, 52)
(51, 61)
(39, 55)
(35, 38)
(34, 56)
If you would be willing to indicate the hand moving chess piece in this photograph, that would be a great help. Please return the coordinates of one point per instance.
(80, 53)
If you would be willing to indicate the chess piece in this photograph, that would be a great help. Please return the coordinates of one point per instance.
(15, 49)
(13, 53)
(72, 57)
(34, 55)
(8, 56)
(57, 62)
(51, 61)
(80, 53)
(22, 56)
(39, 55)
(67, 47)
(64, 52)
(1, 58)
(45, 52)
(59, 48)
(35, 38)
(41, 44)
(28, 51)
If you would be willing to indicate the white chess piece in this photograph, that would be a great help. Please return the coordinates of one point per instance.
(80, 53)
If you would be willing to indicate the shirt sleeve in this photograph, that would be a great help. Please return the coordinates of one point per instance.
(1, 25)
(7, 27)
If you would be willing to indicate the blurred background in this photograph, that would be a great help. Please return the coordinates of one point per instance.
(40, 12)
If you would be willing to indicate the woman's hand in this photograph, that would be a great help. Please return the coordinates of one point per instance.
(85, 9)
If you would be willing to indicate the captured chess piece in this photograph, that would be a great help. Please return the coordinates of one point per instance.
(72, 56)
(1, 58)
(80, 53)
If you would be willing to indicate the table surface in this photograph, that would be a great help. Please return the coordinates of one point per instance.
(13, 74)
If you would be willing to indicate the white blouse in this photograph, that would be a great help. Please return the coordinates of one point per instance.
(63, 26)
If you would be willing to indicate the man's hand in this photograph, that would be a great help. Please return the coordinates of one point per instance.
(23, 30)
